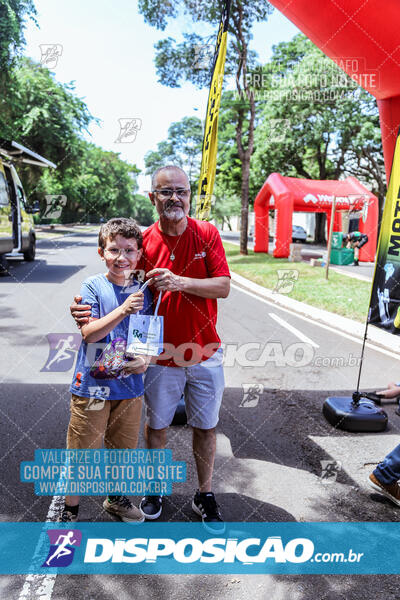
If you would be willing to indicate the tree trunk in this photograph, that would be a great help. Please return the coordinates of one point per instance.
(244, 213)
(320, 219)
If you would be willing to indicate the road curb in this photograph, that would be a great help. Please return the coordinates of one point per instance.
(345, 325)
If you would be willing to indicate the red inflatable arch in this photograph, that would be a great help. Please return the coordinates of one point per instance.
(288, 194)
(362, 37)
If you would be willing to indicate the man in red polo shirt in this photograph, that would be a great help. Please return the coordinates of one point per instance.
(186, 260)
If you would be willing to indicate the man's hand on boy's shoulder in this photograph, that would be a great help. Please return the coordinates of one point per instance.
(80, 312)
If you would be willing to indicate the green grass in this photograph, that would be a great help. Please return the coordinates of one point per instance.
(341, 294)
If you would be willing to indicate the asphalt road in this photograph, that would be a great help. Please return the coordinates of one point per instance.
(270, 443)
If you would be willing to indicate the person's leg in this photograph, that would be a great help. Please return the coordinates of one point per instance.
(155, 438)
(384, 479)
(163, 389)
(392, 391)
(388, 471)
(204, 448)
(205, 387)
(122, 432)
(85, 430)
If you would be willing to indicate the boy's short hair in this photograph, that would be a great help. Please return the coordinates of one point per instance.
(128, 228)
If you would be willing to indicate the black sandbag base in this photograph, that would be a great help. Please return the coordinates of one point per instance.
(342, 413)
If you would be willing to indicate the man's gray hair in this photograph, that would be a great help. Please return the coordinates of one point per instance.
(166, 168)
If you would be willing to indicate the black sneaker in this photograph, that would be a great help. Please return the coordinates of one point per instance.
(205, 505)
(151, 507)
(67, 517)
(374, 397)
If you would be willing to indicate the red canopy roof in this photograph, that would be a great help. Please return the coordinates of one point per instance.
(362, 37)
(313, 195)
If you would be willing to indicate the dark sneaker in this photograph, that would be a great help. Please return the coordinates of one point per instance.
(391, 491)
(124, 509)
(374, 397)
(67, 517)
(355, 263)
(151, 507)
(205, 505)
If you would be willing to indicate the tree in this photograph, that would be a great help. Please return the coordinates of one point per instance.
(13, 15)
(49, 118)
(182, 148)
(142, 210)
(178, 62)
(43, 113)
(98, 185)
(316, 123)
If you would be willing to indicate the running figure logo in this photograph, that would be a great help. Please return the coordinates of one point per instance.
(62, 547)
(286, 280)
(128, 129)
(62, 349)
(330, 470)
(251, 394)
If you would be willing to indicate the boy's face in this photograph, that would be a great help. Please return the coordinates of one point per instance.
(120, 254)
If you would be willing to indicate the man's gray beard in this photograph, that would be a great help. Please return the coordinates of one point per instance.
(174, 214)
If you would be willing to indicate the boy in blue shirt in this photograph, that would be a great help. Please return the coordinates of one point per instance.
(120, 398)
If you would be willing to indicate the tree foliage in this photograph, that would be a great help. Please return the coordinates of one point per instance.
(182, 148)
(49, 118)
(13, 15)
(177, 62)
(316, 123)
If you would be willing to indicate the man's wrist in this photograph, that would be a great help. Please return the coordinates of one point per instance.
(183, 283)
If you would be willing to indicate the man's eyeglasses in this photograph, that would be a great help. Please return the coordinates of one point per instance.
(181, 193)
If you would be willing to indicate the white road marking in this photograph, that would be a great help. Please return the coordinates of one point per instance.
(40, 586)
(318, 324)
(295, 331)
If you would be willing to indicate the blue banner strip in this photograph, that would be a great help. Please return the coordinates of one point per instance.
(162, 548)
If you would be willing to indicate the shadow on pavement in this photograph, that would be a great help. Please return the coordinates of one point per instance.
(64, 242)
(255, 443)
(39, 272)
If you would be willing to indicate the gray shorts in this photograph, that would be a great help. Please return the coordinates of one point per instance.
(164, 386)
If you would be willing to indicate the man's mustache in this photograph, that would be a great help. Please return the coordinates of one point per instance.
(173, 205)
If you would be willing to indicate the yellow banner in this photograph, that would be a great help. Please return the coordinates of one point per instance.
(209, 155)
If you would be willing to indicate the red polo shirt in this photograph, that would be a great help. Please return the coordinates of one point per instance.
(190, 334)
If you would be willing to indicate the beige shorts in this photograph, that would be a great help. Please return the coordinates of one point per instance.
(117, 422)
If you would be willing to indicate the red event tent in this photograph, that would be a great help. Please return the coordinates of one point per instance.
(288, 194)
(362, 37)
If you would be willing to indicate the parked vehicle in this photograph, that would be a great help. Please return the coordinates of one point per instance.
(17, 233)
(299, 234)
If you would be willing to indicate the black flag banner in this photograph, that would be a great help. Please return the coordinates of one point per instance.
(384, 309)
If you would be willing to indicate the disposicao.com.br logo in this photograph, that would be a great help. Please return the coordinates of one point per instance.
(187, 547)
(247, 551)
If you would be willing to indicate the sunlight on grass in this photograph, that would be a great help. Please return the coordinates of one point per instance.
(343, 295)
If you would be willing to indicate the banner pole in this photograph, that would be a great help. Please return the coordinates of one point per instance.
(362, 358)
(328, 258)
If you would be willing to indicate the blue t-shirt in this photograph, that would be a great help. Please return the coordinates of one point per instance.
(104, 296)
